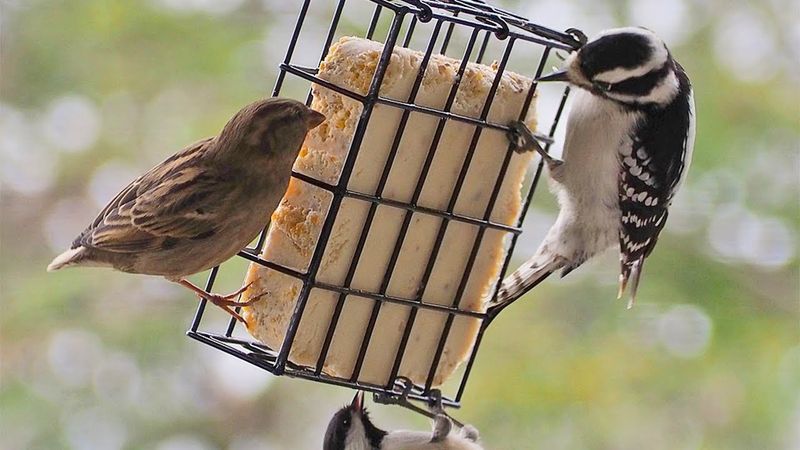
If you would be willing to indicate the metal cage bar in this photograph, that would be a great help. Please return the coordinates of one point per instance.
(452, 203)
(373, 208)
(344, 179)
(483, 23)
(381, 185)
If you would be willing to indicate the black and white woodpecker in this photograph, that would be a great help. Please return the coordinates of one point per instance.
(629, 140)
(351, 429)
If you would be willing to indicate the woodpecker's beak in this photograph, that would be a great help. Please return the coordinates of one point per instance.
(560, 75)
(358, 402)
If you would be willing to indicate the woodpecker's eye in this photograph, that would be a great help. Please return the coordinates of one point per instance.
(602, 85)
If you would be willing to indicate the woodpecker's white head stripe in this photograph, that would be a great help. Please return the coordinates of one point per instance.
(662, 93)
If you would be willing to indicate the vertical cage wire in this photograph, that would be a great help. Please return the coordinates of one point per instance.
(484, 24)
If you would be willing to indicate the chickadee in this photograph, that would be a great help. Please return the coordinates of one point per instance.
(202, 205)
(351, 429)
(628, 147)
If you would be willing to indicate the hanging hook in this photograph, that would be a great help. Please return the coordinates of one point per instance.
(578, 35)
(435, 403)
(425, 12)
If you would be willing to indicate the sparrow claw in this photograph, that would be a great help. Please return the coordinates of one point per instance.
(218, 299)
(233, 313)
(225, 302)
(253, 300)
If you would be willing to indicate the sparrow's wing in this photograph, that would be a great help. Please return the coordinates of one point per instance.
(186, 205)
(178, 199)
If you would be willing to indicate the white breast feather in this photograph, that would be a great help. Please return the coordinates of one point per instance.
(597, 132)
(416, 440)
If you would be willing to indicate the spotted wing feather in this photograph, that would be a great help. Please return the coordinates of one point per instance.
(652, 168)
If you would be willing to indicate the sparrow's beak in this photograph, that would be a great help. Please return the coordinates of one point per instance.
(560, 75)
(314, 118)
(358, 401)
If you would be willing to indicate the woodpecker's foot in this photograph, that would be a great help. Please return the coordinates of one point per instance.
(524, 140)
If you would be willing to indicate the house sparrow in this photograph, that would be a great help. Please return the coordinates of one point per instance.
(351, 429)
(202, 205)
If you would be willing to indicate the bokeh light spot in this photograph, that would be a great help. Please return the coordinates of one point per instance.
(71, 123)
(685, 331)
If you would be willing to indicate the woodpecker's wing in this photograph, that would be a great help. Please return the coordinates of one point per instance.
(653, 167)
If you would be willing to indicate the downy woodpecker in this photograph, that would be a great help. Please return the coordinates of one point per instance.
(628, 147)
(351, 429)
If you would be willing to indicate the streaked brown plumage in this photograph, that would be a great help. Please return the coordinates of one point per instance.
(202, 205)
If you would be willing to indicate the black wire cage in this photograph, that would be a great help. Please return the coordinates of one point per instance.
(485, 31)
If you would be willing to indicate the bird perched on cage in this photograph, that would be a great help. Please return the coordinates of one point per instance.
(351, 429)
(628, 147)
(201, 205)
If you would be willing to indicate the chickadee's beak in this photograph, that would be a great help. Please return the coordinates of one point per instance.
(314, 118)
(560, 75)
(358, 401)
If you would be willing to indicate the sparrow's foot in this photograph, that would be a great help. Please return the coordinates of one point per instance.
(225, 302)
(229, 300)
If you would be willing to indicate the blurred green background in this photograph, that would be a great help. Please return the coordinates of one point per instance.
(94, 92)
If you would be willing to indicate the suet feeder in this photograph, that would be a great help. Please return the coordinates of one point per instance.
(489, 34)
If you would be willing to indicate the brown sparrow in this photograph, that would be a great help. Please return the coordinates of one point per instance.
(201, 205)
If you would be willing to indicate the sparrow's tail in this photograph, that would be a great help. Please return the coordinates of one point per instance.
(526, 277)
(70, 257)
(630, 273)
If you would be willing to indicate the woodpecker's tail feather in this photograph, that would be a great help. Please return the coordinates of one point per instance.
(526, 278)
(631, 272)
